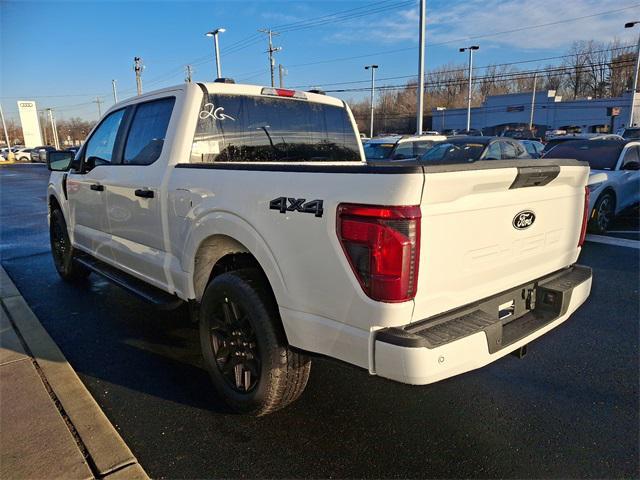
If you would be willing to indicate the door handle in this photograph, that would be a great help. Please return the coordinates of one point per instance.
(144, 193)
(97, 187)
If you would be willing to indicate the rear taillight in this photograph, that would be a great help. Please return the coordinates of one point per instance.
(585, 217)
(382, 245)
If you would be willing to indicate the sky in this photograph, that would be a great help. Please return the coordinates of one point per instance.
(64, 54)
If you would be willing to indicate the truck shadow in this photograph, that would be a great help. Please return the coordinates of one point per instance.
(144, 368)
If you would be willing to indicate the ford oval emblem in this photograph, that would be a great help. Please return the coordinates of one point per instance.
(523, 219)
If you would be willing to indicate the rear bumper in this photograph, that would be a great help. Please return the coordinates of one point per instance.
(473, 336)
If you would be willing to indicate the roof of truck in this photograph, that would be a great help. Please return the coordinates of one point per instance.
(229, 89)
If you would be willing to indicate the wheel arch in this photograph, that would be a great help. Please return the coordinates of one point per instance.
(54, 203)
(607, 190)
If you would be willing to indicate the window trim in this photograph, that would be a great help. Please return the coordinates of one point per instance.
(129, 124)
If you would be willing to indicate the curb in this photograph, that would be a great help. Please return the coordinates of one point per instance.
(109, 456)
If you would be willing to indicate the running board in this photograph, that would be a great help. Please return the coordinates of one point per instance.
(148, 293)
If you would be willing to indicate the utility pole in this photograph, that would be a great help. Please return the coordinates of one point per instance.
(271, 51)
(282, 72)
(137, 67)
(43, 125)
(98, 102)
(423, 11)
(471, 49)
(533, 100)
(6, 136)
(189, 72)
(115, 92)
(635, 75)
(54, 132)
(373, 86)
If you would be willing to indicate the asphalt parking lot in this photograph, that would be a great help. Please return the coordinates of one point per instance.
(568, 409)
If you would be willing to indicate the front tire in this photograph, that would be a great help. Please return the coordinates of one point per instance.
(251, 365)
(62, 251)
(603, 213)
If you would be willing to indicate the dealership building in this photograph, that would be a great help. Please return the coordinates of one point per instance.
(513, 111)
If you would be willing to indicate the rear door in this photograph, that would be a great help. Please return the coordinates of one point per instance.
(473, 245)
(628, 180)
(134, 191)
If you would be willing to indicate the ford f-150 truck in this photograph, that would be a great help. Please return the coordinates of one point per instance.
(255, 206)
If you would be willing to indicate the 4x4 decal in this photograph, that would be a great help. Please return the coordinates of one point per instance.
(285, 204)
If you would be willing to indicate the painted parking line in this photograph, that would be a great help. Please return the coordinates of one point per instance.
(618, 242)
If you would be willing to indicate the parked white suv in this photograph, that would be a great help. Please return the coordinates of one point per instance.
(256, 206)
(615, 176)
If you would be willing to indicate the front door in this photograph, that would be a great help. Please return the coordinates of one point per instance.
(86, 189)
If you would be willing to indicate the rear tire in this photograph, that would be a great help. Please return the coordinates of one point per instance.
(244, 346)
(62, 251)
(602, 213)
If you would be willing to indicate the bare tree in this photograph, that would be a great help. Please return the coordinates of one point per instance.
(574, 64)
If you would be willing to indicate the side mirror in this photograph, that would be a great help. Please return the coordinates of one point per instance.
(631, 166)
(59, 161)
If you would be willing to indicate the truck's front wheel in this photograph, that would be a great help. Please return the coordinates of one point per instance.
(244, 346)
(62, 250)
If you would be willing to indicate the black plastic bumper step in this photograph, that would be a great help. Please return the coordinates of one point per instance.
(133, 285)
(535, 305)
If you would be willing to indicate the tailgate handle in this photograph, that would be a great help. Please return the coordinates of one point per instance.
(535, 176)
(97, 187)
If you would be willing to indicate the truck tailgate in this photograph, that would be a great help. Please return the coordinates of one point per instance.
(488, 229)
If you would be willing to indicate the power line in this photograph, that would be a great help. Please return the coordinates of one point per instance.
(521, 75)
(465, 69)
(463, 39)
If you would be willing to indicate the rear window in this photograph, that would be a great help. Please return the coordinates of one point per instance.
(601, 154)
(411, 149)
(378, 151)
(236, 128)
(453, 152)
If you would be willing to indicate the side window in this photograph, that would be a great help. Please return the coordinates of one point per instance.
(631, 156)
(147, 132)
(493, 152)
(508, 150)
(99, 149)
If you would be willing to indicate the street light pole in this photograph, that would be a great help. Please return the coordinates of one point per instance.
(635, 74)
(216, 46)
(533, 101)
(115, 92)
(6, 136)
(54, 130)
(420, 108)
(373, 86)
(471, 49)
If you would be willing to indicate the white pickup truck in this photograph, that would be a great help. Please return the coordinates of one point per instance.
(256, 207)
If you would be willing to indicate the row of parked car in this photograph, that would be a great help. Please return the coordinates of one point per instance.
(615, 161)
(36, 154)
